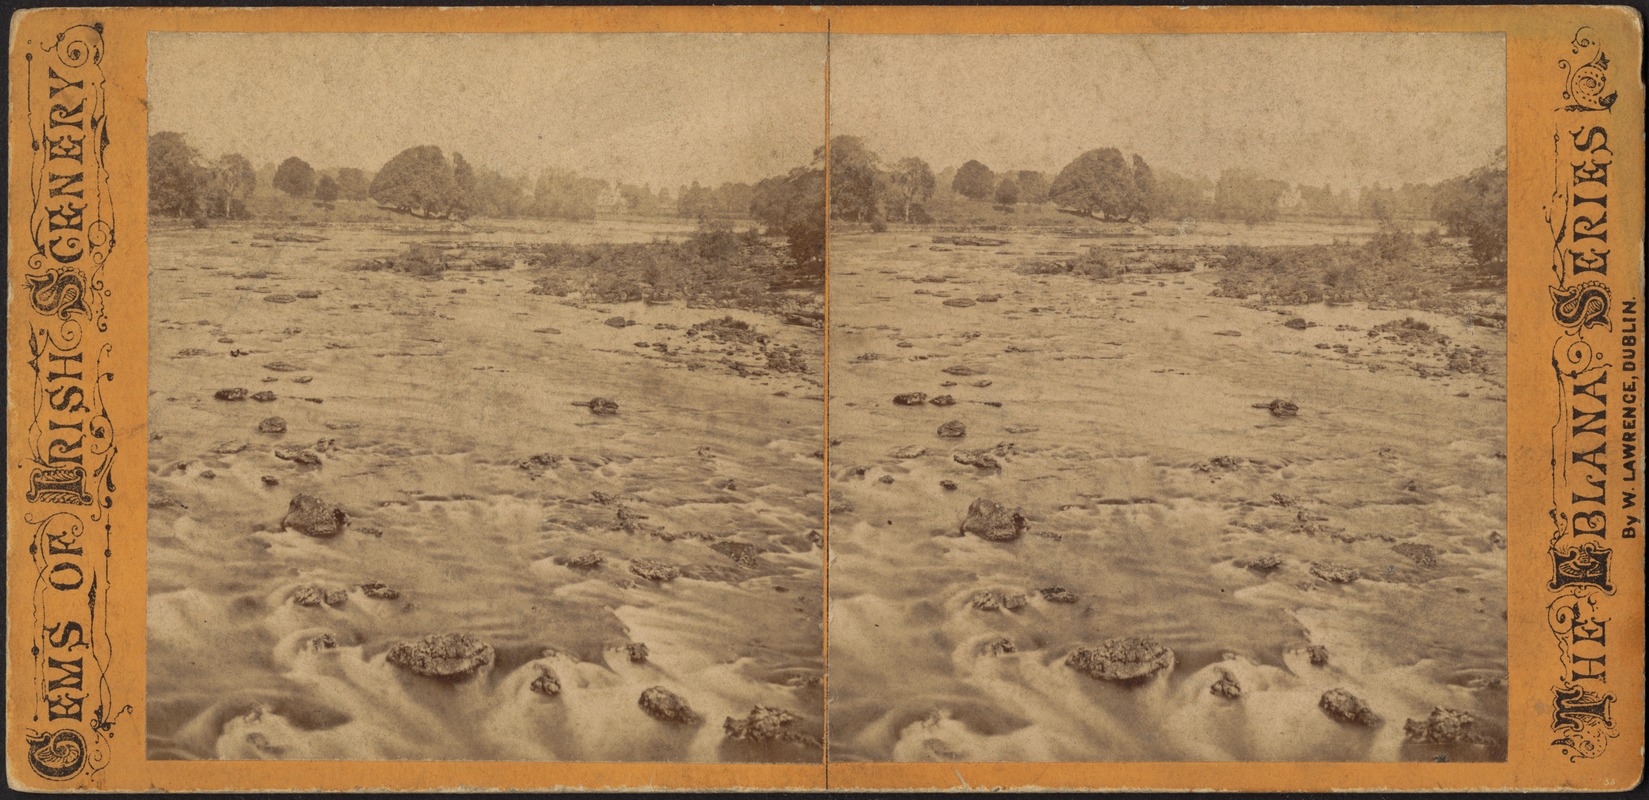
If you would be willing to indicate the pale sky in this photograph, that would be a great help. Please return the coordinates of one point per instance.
(658, 108)
(1344, 109)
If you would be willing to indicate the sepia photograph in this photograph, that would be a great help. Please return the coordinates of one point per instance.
(486, 397)
(1168, 398)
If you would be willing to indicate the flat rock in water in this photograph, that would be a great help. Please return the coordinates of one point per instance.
(1347, 707)
(1129, 658)
(298, 455)
(448, 656)
(378, 590)
(961, 371)
(282, 366)
(908, 451)
(272, 425)
(988, 298)
(1444, 726)
(231, 394)
(943, 400)
(264, 396)
(1280, 408)
(317, 595)
(910, 399)
(1334, 573)
(586, 561)
(766, 724)
(601, 406)
(667, 706)
(1297, 323)
(742, 553)
(959, 302)
(1058, 594)
(991, 521)
(952, 430)
(312, 516)
(279, 298)
(979, 459)
(654, 570)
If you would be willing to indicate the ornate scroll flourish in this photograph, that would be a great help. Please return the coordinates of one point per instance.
(1580, 581)
(68, 470)
(1588, 75)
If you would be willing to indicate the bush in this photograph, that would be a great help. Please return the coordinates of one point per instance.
(919, 215)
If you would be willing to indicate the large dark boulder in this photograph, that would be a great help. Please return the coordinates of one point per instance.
(991, 521)
(312, 516)
(1129, 658)
(667, 706)
(447, 656)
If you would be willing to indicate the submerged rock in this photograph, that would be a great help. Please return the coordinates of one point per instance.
(1226, 687)
(312, 516)
(667, 706)
(311, 596)
(1058, 594)
(953, 430)
(546, 683)
(993, 601)
(991, 521)
(586, 561)
(378, 590)
(272, 425)
(959, 302)
(910, 399)
(1444, 726)
(1334, 573)
(1128, 658)
(1423, 554)
(601, 406)
(654, 570)
(1000, 646)
(766, 724)
(449, 656)
(1265, 564)
(943, 400)
(1347, 707)
(979, 459)
(1297, 323)
(742, 553)
(231, 394)
(1280, 408)
(297, 455)
(948, 485)
(264, 396)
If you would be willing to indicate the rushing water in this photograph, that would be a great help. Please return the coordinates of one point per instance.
(422, 398)
(1113, 400)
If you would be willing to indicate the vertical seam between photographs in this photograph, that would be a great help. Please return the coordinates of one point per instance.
(824, 605)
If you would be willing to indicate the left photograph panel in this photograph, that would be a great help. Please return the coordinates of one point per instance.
(486, 412)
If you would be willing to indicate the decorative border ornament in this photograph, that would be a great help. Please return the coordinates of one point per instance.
(1588, 77)
(70, 436)
(1577, 218)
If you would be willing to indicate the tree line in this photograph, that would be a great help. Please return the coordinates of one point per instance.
(424, 182)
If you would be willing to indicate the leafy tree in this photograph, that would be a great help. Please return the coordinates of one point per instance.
(295, 177)
(911, 183)
(418, 180)
(326, 189)
(1146, 202)
(497, 195)
(1098, 183)
(174, 168)
(694, 202)
(1242, 194)
(794, 205)
(462, 204)
(974, 181)
(228, 185)
(852, 179)
(733, 198)
(1033, 186)
(1179, 197)
(1474, 206)
(352, 183)
(1007, 192)
(564, 194)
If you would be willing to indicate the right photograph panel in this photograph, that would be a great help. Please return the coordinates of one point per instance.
(1167, 398)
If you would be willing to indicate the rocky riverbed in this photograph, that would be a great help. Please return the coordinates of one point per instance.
(395, 517)
(1148, 523)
